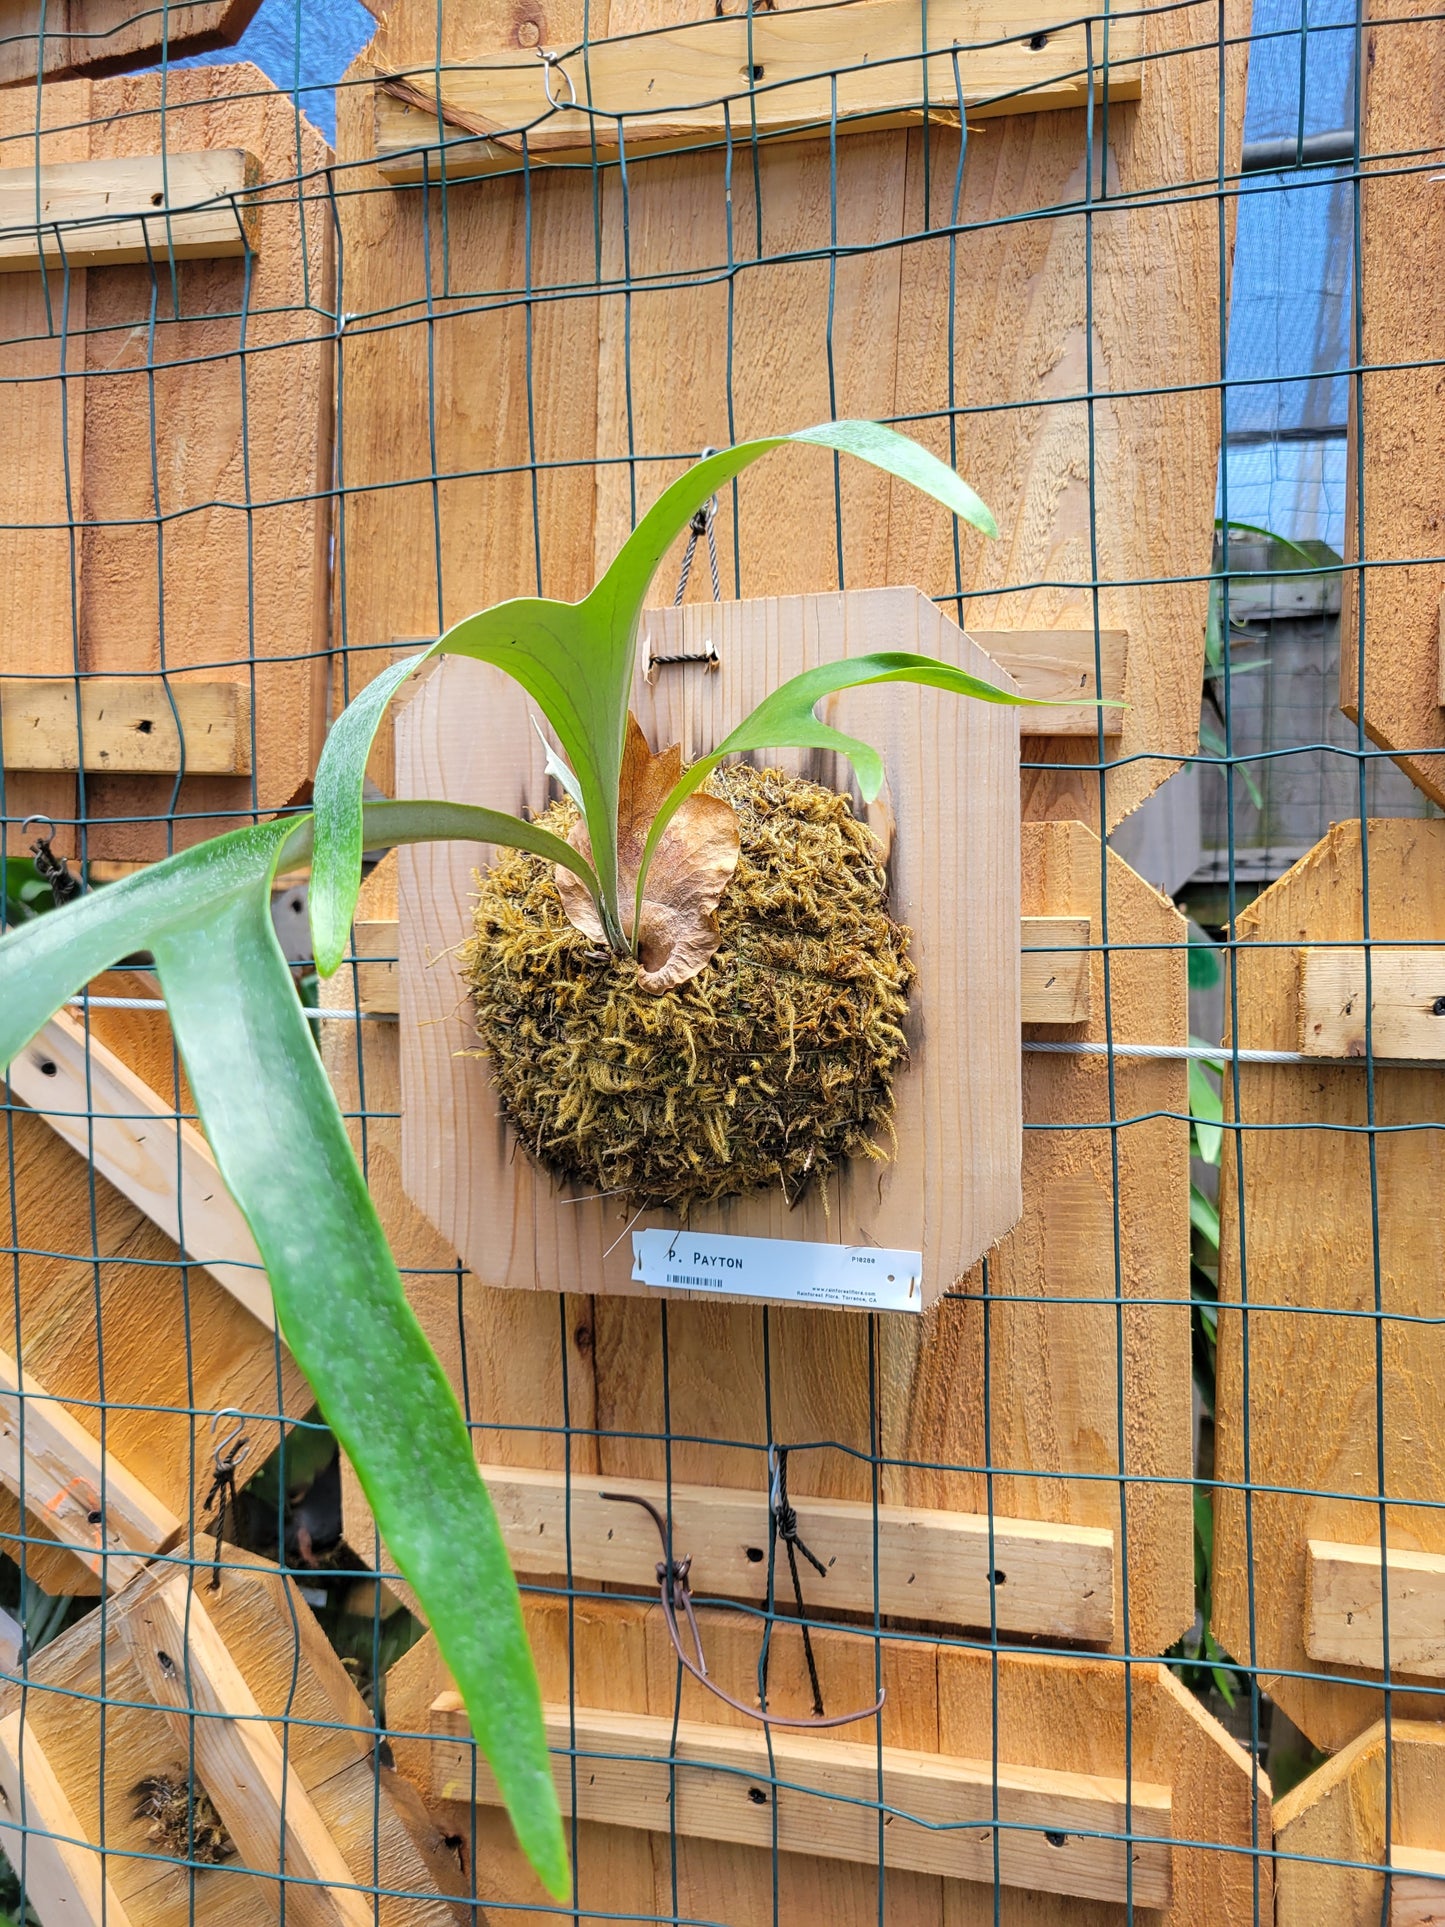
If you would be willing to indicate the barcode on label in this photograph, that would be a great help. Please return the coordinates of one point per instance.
(683, 1278)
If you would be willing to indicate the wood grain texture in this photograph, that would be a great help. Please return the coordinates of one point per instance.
(261, 1630)
(1057, 1832)
(126, 724)
(104, 213)
(63, 1877)
(217, 554)
(57, 1470)
(1338, 1814)
(795, 336)
(105, 1302)
(1053, 664)
(1054, 970)
(1417, 1892)
(685, 85)
(186, 1668)
(1050, 1424)
(1066, 1716)
(1395, 407)
(465, 735)
(1344, 1607)
(1405, 987)
(93, 1102)
(1304, 1203)
(96, 36)
(434, 367)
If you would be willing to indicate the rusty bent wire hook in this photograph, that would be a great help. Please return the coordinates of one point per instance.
(676, 1597)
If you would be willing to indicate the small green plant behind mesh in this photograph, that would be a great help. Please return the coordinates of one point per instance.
(273, 1123)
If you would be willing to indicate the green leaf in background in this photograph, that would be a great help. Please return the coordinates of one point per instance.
(576, 659)
(282, 1147)
(1203, 1216)
(785, 720)
(1206, 1107)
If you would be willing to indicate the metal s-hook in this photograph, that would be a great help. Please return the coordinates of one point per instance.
(226, 1458)
(676, 1596)
(53, 869)
(552, 63)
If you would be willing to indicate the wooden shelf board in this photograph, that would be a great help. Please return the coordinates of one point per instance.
(125, 725)
(783, 73)
(713, 1782)
(102, 213)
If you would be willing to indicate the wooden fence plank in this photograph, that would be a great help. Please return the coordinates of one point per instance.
(1052, 664)
(59, 38)
(86, 1496)
(64, 1877)
(1324, 1226)
(1344, 1620)
(95, 1103)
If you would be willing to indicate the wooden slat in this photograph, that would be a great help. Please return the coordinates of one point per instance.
(1407, 1013)
(1343, 1618)
(60, 1473)
(187, 1669)
(1051, 1579)
(144, 207)
(1417, 1893)
(12, 1639)
(377, 986)
(126, 725)
(713, 1783)
(1054, 664)
(672, 86)
(163, 1165)
(1054, 969)
(64, 1880)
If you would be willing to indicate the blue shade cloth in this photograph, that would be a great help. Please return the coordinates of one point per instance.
(1290, 312)
(304, 46)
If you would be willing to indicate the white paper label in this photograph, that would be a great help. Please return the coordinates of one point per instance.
(861, 1276)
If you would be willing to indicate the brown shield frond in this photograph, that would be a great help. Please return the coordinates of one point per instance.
(677, 931)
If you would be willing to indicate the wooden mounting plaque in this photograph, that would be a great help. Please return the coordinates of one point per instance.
(949, 819)
(1060, 1733)
(223, 576)
(100, 36)
(249, 1647)
(1337, 1816)
(687, 85)
(825, 317)
(1394, 407)
(132, 1319)
(1309, 1243)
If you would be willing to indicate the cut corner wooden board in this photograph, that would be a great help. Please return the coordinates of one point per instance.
(951, 1191)
(1330, 1842)
(1061, 1719)
(248, 1647)
(1393, 409)
(60, 39)
(225, 578)
(106, 1302)
(1309, 1242)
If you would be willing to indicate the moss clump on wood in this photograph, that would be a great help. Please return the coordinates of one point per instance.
(770, 1067)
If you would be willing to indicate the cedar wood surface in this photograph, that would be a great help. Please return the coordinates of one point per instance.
(412, 255)
(79, 451)
(1307, 1212)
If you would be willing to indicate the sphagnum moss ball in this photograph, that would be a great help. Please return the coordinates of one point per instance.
(770, 1067)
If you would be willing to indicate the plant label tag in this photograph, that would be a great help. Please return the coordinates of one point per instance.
(859, 1276)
